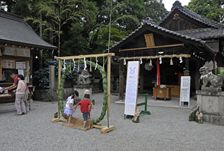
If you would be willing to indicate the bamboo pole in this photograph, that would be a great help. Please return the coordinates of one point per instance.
(59, 83)
(84, 56)
(108, 89)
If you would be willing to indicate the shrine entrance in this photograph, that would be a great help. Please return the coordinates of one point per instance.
(165, 56)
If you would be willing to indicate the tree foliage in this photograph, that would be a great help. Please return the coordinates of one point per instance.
(212, 9)
(82, 26)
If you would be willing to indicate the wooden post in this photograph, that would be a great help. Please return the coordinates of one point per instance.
(59, 83)
(121, 81)
(108, 89)
(141, 78)
(108, 128)
(52, 81)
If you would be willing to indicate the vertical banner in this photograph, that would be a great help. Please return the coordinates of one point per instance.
(185, 90)
(131, 92)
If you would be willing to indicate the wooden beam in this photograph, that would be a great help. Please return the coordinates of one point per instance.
(121, 80)
(153, 47)
(156, 57)
(85, 56)
(107, 129)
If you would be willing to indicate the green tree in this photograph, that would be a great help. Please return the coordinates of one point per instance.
(57, 14)
(155, 10)
(126, 17)
(81, 26)
(212, 9)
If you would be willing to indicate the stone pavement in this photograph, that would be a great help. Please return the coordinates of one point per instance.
(166, 129)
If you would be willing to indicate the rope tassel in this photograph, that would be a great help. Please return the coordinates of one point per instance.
(85, 65)
(96, 63)
(64, 66)
(74, 65)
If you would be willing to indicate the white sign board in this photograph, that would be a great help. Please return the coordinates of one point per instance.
(185, 89)
(20, 65)
(131, 87)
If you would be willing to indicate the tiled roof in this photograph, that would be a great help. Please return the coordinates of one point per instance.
(15, 30)
(147, 26)
(178, 7)
(204, 33)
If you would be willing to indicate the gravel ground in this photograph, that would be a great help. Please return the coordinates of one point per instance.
(166, 129)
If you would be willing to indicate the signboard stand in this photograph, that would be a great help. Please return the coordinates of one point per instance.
(131, 92)
(185, 90)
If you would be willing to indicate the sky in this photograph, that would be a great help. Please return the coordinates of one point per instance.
(169, 3)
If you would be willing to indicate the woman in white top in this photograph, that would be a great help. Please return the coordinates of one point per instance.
(20, 96)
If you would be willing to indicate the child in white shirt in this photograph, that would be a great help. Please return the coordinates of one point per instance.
(68, 109)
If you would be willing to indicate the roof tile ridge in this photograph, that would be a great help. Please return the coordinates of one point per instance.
(175, 33)
(11, 16)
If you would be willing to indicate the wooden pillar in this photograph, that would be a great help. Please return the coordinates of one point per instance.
(121, 80)
(108, 89)
(52, 80)
(51, 76)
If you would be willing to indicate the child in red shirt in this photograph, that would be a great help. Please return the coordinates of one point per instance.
(85, 107)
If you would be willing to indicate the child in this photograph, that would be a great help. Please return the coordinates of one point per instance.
(85, 107)
(68, 109)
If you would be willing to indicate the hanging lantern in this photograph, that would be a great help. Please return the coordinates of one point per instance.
(171, 61)
(148, 67)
